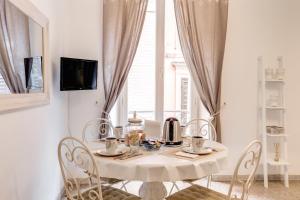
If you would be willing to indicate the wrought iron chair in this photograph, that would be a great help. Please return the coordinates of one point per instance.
(94, 129)
(248, 161)
(204, 128)
(75, 160)
(199, 127)
(102, 127)
(91, 137)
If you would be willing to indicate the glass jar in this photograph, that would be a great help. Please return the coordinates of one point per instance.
(134, 132)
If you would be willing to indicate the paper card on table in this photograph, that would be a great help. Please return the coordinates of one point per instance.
(187, 155)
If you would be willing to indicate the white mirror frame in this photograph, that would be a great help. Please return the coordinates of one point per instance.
(11, 102)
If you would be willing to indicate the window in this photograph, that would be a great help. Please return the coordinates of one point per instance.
(159, 84)
(184, 98)
(3, 87)
(141, 78)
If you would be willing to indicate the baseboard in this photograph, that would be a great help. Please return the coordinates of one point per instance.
(273, 177)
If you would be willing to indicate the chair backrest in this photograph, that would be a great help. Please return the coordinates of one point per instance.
(201, 127)
(248, 163)
(95, 128)
(75, 159)
(152, 129)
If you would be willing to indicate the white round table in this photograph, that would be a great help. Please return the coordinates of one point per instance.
(156, 167)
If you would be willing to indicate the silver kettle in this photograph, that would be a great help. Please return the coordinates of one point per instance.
(172, 131)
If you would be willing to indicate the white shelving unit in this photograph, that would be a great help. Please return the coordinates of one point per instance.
(272, 115)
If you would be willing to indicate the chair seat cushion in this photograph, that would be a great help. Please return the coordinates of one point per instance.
(110, 180)
(190, 180)
(110, 193)
(197, 192)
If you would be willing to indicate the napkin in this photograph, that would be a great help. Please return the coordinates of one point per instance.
(187, 155)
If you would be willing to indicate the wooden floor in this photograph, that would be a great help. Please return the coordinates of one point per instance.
(276, 190)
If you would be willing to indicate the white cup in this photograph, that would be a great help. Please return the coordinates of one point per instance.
(111, 144)
(197, 143)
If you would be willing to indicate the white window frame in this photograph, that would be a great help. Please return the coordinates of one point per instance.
(122, 103)
(159, 60)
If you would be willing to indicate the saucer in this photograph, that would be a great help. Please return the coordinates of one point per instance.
(203, 151)
(103, 152)
(173, 144)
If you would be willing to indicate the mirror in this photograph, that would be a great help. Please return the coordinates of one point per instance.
(21, 42)
(23, 55)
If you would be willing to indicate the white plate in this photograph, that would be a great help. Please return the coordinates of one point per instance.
(203, 151)
(106, 154)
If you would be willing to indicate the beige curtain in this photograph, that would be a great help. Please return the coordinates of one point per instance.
(202, 26)
(122, 26)
(14, 46)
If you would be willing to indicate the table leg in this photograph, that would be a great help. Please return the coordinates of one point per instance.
(152, 191)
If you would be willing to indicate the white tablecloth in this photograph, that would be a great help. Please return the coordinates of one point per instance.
(155, 167)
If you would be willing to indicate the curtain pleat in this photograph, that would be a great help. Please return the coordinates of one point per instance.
(14, 46)
(202, 26)
(122, 26)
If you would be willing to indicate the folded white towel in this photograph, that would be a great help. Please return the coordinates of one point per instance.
(187, 155)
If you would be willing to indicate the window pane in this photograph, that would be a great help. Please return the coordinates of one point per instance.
(141, 78)
(177, 80)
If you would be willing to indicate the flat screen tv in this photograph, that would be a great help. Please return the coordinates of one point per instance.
(34, 74)
(78, 74)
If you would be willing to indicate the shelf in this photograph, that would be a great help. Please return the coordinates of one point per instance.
(279, 163)
(273, 112)
(275, 108)
(274, 81)
(276, 135)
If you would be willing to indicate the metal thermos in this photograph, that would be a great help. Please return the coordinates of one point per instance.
(172, 131)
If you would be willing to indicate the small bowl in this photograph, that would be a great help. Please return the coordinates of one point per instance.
(151, 145)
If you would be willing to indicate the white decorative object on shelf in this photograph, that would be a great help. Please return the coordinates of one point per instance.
(269, 73)
(272, 126)
(275, 73)
(277, 152)
(275, 130)
(280, 72)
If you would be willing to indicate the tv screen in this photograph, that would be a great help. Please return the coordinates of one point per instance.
(78, 74)
(34, 74)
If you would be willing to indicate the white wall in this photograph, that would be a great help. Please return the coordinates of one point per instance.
(35, 38)
(256, 28)
(28, 149)
(29, 138)
(83, 40)
(267, 28)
